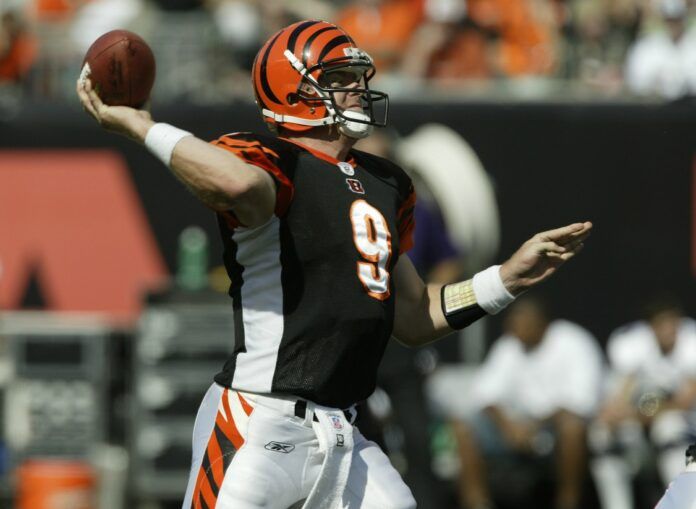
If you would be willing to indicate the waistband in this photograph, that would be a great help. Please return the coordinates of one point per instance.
(302, 409)
(293, 406)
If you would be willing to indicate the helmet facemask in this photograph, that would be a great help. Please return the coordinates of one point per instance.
(318, 78)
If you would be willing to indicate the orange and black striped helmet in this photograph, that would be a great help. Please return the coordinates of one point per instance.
(306, 53)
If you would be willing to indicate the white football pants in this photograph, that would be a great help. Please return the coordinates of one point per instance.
(252, 452)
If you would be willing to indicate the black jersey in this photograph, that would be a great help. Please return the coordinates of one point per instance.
(312, 288)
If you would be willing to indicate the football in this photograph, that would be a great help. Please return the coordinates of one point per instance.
(121, 67)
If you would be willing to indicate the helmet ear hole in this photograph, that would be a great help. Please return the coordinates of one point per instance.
(293, 98)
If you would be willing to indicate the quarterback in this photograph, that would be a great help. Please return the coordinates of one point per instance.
(314, 232)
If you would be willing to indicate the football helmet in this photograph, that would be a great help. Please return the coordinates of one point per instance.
(297, 73)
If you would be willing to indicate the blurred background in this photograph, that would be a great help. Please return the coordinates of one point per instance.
(512, 116)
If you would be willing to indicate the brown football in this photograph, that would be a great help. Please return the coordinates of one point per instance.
(121, 67)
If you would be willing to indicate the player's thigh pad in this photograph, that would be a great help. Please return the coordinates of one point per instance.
(274, 468)
(373, 482)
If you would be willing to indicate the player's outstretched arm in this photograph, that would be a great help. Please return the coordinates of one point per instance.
(427, 312)
(217, 177)
(538, 258)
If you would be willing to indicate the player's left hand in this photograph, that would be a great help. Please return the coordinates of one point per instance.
(538, 258)
(119, 119)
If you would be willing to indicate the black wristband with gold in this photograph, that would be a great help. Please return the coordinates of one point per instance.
(459, 304)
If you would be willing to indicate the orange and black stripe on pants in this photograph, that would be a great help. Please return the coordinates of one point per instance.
(224, 442)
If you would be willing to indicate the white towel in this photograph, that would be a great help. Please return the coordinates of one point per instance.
(335, 436)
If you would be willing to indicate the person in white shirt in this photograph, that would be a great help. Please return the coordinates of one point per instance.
(681, 493)
(533, 394)
(662, 62)
(650, 403)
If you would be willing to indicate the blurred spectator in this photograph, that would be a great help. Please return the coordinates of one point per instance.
(527, 33)
(449, 46)
(598, 35)
(663, 61)
(531, 397)
(240, 24)
(18, 48)
(55, 10)
(383, 28)
(244, 25)
(308, 9)
(654, 365)
(100, 16)
(483, 39)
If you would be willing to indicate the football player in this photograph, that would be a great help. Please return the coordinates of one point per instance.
(314, 232)
(681, 493)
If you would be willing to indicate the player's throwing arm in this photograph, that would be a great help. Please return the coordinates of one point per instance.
(217, 177)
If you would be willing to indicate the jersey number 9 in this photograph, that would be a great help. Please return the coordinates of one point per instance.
(373, 241)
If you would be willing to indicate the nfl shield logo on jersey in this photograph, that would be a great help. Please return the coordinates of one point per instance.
(336, 421)
(346, 168)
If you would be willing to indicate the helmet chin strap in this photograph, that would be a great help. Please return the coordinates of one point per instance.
(356, 130)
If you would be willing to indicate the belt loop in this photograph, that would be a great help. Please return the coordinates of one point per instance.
(304, 411)
(309, 417)
(351, 414)
(300, 408)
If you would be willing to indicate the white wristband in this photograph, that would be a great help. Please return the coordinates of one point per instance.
(161, 140)
(490, 291)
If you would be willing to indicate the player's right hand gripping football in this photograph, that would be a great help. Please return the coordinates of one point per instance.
(538, 258)
(119, 119)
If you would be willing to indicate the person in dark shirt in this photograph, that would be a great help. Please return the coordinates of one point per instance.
(314, 233)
